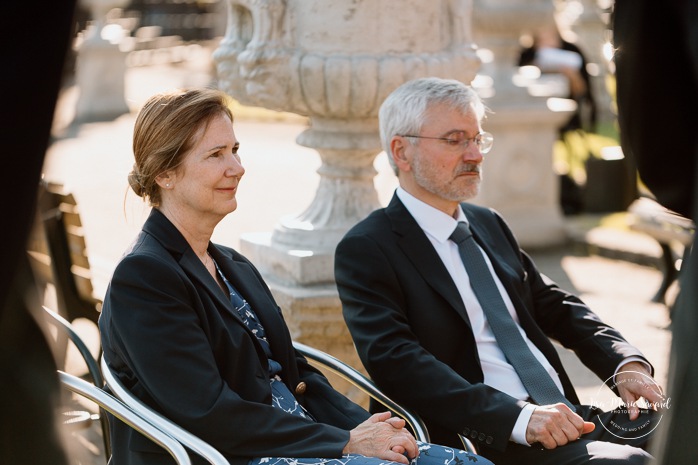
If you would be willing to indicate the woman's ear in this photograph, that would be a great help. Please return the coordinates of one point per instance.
(165, 180)
(399, 148)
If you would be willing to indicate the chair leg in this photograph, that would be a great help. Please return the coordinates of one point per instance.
(670, 273)
(106, 439)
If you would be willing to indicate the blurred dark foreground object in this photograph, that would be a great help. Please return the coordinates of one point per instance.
(657, 94)
(38, 38)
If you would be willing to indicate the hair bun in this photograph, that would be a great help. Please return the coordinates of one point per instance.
(134, 180)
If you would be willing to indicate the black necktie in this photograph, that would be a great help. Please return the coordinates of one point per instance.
(535, 378)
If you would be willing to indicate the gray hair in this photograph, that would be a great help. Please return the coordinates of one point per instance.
(403, 110)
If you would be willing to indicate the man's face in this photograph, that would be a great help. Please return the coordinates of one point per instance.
(443, 173)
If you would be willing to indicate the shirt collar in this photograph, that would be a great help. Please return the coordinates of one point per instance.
(433, 221)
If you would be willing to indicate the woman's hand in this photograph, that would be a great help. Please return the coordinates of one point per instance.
(384, 437)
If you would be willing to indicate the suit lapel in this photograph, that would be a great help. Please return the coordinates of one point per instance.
(245, 281)
(194, 268)
(417, 248)
(243, 278)
(167, 234)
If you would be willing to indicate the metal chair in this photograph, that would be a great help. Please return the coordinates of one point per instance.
(359, 380)
(105, 401)
(92, 367)
(323, 359)
(367, 386)
(124, 413)
(199, 446)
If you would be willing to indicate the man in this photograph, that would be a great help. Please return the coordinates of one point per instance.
(415, 308)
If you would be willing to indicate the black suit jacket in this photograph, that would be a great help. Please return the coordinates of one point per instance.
(174, 339)
(413, 334)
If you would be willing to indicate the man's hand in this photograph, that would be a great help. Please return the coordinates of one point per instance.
(556, 425)
(634, 382)
(383, 437)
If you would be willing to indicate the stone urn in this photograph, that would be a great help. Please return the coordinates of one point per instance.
(335, 61)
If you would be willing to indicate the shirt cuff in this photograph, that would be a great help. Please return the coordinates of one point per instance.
(631, 359)
(518, 434)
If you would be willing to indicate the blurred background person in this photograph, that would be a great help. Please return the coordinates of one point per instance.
(549, 52)
(552, 54)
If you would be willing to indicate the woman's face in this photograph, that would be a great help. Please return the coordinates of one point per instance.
(205, 184)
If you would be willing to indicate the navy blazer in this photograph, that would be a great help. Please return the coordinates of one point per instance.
(412, 331)
(173, 338)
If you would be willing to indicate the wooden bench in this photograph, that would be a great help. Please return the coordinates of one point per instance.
(671, 230)
(58, 253)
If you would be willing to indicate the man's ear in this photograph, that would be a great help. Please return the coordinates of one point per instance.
(399, 148)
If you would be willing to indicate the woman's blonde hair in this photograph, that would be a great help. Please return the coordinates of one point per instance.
(165, 131)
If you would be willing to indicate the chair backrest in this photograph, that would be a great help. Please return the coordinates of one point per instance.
(64, 325)
(121, 411)
(58, 253)
(189, 440)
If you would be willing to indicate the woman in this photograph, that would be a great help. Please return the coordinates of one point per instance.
(191, 328)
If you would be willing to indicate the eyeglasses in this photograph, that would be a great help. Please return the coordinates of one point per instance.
(456, 143)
